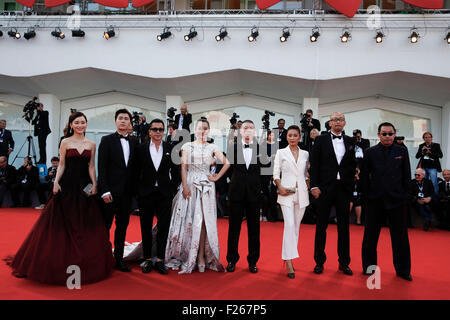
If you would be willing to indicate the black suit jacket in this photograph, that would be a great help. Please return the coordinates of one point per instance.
(443, 193)
(32, 175)
(186, 121)
(283, 143)
(9, 175)
(245, 184)
(363, 144)
(324, 166)
(113, 175)
(436, 153)
(386, 178)
(167, 175)
(7, 143)
(41, 127)
(428, 189)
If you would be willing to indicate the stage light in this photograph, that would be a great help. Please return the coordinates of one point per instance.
(166, 34)
(253, 34)
(109, 33)
(447, 38)
(1, 33)
(222, 34)
(414, 37)
(285, 35)
(345, 37)
(379, 37)
(13, 33)
(78, 33)
(29, 34)
(315, 35)
(192, 34)
(57, 33)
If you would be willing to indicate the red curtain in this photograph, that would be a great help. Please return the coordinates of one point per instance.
(55, 3)
(427, 4)
(27, 3)
(264, 4)
(113, 3)
(140, 3)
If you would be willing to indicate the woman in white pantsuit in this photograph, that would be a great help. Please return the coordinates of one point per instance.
(289, 174)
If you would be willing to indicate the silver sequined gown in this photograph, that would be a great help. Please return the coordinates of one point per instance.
(188, 214)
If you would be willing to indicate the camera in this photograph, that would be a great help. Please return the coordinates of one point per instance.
(171, 114)
(266, 119)
(233, 118)
(30, 107)
(135, 120)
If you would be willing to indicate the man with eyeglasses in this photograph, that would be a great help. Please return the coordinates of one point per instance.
(422, 191)
(332, 173)
(386, 176)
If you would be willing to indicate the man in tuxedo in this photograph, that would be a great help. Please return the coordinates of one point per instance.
(8, 177)
(157, 182)
(282, 134)
(184, 119)
(444, 198)
(6, 140)
(244, 193)
(41, 130)
(332, 173)
(385, 178)
(116, 180)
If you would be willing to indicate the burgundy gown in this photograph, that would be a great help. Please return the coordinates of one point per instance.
(70, 231)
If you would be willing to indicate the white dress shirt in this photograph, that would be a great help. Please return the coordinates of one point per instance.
(339, 149)
(248, 152)
(156, 156)
(180, 123)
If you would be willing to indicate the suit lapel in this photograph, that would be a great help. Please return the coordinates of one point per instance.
(149, 155)
(330, 144)
(119, 147)
(291, 156)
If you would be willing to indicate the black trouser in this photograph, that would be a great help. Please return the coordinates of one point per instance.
(26, 189)
(269, 204)
(42, 139)
(120, 208)
(41, 189)
(159, 204)
(234, 229)
(338, 196)
(398, 226)
(3, 188)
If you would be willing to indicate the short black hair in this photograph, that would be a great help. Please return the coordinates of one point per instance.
(55, 159)
(123, 110)
(356, 131)
(281, 120)
(294, 127)
(156, 121)
(173, 126)
(386, 124)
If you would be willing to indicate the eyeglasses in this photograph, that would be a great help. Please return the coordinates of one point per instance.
(417, 175)
(390, 134)
(157, 129)
(338, 119)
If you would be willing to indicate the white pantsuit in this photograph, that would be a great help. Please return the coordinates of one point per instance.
(292, 175)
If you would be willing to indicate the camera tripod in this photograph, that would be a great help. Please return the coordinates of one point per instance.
(30, 146)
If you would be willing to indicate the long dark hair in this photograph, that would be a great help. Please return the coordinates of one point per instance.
(68, 130)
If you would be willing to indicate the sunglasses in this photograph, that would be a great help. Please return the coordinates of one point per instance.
(417, 175)
(157, 129)
(390, 134)
(338, 119)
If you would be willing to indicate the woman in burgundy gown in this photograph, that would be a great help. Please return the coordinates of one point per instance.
(70, 230)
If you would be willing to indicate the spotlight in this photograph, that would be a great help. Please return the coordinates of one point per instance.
(1, 33)
(29, 34)
(109, 33)
(447, 38)
(414, 37)
(285, 35)
(315, 35)
(13, 33)
(166, 34)
(78, 33)
(222, 34)
(192, 34)
(57, 33)
(345, 37)
(379, 37)
(253, 35)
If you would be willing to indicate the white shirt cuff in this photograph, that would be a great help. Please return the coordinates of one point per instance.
(106, 194)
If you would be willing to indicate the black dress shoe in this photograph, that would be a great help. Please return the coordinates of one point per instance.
(346, 270)
(406, 277)
(252, 268)
(318, 268)
(231, 267)
(121, 266)
(160, 267)
(147, 267)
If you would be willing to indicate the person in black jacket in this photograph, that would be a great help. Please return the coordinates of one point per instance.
(6, 140)
(116, 181)
(308, 123)
(422, 191)
(184, 119)
(332, 173)
(8, 177)
(444, 199)
(429, 154)
(41, 130)
(282, 134)
(385, 177)
(27, 181)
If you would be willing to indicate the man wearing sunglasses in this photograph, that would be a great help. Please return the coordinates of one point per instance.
(386, 176)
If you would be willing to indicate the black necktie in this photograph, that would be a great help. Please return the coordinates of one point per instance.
(246, 146)
(335, 136)
(124, 137)
(448, 186)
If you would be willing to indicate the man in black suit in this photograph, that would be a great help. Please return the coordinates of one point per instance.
(184, 119)
(27, 181)
(332, 173)
(244, 193)
(307, 124)
(6, 140)
(41, 130)
(157, 182)
(444, 198)
(8, 177)
(422, 192)
(361, 144)
(116, 180)
(385, 177)
(143, 129)
(282, 134)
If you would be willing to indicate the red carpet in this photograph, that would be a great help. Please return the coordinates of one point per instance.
(430, 261)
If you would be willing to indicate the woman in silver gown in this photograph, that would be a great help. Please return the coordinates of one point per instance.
(193, 241)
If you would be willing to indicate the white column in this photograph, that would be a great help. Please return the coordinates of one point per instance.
(53, 105)
(445, 146)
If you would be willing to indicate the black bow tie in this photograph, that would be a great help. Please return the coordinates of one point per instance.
(335, 136)
(124, 137)
(246, 146)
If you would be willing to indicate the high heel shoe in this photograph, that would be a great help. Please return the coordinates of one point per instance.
(201, 268)
(291, 275)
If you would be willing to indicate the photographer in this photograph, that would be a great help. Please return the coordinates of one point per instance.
(27, 181)
(400, 140)
(421, 193)
(429, 154)
(308, 123)
(234, 129)
(282, 134)
(444, 199)
(8, 177)
(41, 126)
(6, 140)
(184, 119)
(47, 186)
(361, 144)
(143, 129)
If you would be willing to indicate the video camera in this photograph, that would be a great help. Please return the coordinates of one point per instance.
(266, 119)
(135, 121)
(233, 118)
(171, 114)
(29, 108)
